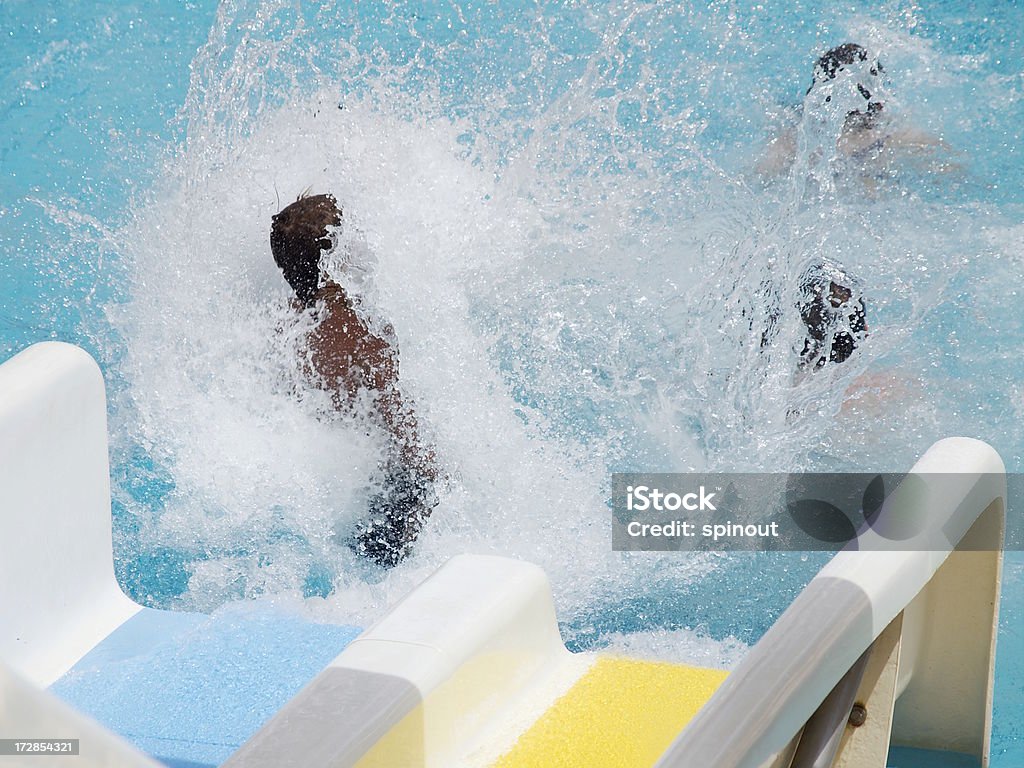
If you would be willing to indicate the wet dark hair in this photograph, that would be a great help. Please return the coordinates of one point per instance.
(834, 61)
(828, 308)
(833, 315)
(298, 236)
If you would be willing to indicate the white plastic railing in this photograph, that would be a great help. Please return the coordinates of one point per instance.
(947, 606)
(58, 594)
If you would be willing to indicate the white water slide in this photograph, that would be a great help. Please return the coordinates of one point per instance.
(883, 648)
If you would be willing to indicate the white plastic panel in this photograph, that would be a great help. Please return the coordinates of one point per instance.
(58, 594)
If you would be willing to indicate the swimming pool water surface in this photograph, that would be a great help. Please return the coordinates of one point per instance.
(558, 201)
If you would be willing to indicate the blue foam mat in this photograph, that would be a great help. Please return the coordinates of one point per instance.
(189, 688)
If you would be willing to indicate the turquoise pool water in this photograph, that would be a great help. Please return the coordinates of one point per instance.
(558, 202)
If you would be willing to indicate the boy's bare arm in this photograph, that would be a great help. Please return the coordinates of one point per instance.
(348, 357)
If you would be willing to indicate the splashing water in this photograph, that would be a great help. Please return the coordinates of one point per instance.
(581, 266)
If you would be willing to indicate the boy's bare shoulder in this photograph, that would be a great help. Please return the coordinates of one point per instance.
(345, 348)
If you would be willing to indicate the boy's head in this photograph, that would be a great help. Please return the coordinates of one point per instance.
(298, 236)
(866, 72)
(833, 314)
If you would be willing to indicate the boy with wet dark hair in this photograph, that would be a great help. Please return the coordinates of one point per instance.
(834, 317)
(849, 77)
(838, 59)
(348, 358)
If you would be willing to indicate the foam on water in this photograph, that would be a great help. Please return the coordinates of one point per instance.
(682, 646)
(579, 262)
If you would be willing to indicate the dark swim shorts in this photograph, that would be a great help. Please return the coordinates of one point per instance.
(396, 514)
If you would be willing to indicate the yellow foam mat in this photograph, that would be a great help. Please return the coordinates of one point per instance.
(622, 713)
